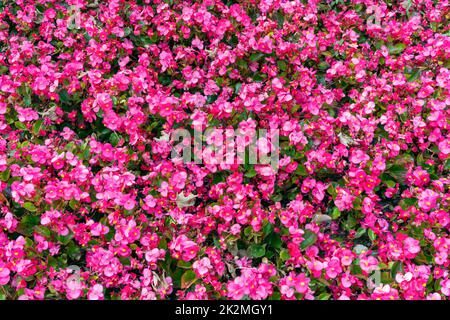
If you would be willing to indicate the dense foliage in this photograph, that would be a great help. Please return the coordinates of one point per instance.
(93, 205)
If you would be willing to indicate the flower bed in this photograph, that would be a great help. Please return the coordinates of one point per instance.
(95, 204)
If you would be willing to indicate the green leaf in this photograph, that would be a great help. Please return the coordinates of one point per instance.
(44, 231)
(30, 207)
(324, 296)
(251, 173)
(64, 96)
(114, 139)
(73, 204)
(26, 225)
(242, 64)
(4, 176)
(408, 202)
(323, 65)
(73, 251)
(398, 172)
(397, 267)
(372, 235)
(335, 213)
(65, 239)
(184, 264)
(257, 250)
(37, 126)
(256, 56)
(275, 296)
(237, 87)
(390, 183)
(309, 239)
(282, 65)
(447, 165)
(19, 125)
(360, 233)
(268, 228)
(332, 191)
(397, 48)
(414, 75)
(187, 279)
(284, 255)
(275, 240)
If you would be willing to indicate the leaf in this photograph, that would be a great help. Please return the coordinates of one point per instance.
(275, 241)
(282, 65)
(397, 48)
(372, 235)
(324, 296)
(407, 202)
(37, 126)
(44, 231)
(332, 191)
(323, 65)
(73, 251)
(251, 173)
(335, 213)
(275, 296)
(242, 64)
(184, 264)
(64, 96)
(4, 176)
(390, 183)
(237, 87)
(257, 250)
(27, 224)
(256, 56)
(20, 125)
(360, 233)
(187, 279)
(268, 228)
(447, 165)
(65, 239)
(414, 75)
(309, 239)
(73, 204)
(248, 231)
(30, 207)
(397, 267)
(114, 139)
(284, 255)
(398, 172)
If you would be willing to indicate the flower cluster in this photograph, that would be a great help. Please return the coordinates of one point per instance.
(94, 206)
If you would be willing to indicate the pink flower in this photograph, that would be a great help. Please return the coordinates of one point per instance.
(154, 255)
(428, 199)
(444, 146)
(368, 264)
(333, 268)
(411, 246)
(95, 292)
(178, 180)
(445, 287)
(73, 289)
(166, 60)
(358, 156)
(4, 274)
(301, 283)
(202, 266)
(184, 248)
